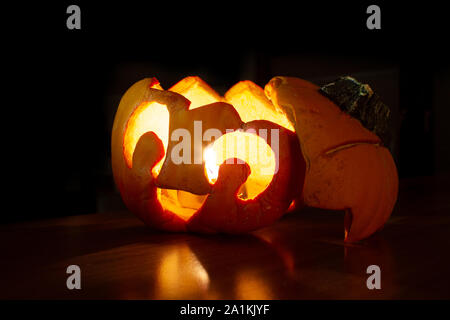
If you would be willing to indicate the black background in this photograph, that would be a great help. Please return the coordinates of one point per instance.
(63, 86)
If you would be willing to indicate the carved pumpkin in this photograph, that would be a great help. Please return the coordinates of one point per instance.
(347, 166)
(236, 182)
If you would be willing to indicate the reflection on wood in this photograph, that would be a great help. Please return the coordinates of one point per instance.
(302, 256)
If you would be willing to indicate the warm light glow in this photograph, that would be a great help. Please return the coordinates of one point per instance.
(184, 204)
(180, 275)
(252, 286)
(249, 148)
(251, 103)
(211, 167)
(197, 91)
(149, 116)
(152, 116)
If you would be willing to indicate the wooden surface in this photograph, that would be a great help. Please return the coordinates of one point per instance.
(300, 257)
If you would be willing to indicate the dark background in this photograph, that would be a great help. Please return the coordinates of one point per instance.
(65, 85)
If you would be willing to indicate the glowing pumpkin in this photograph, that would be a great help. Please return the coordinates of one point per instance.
(347, 167)
(239, 168)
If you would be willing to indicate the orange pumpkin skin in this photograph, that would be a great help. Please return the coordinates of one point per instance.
(347, 167)
(222, 210)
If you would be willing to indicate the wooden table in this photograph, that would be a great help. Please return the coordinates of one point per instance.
(300, 257)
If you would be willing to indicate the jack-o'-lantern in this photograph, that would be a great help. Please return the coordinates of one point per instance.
(188, 159)
(324, 157)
